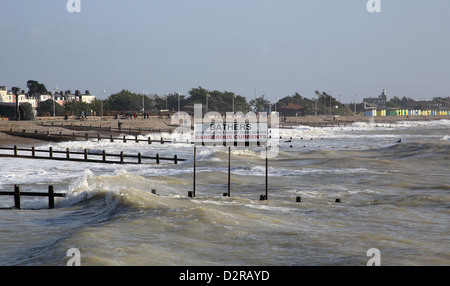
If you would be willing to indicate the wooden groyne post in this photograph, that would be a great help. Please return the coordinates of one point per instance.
(18, 194)
(70, 156)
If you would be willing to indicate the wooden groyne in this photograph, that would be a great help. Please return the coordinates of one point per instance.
(319, 124)
(85, 156)
(119, 129)
(18, 194)
(61, 137)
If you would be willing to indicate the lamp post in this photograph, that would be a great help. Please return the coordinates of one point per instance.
(143, 106)
(178, 114)
(103, 93)
(54, 98)
(207, 95)
(16, 92)
(315, 108)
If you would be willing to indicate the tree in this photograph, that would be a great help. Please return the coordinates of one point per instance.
(220, 101)
(35, 89)
(77, 107)
(261, 103)
(26, 111)
(45, 108)
(126, 101)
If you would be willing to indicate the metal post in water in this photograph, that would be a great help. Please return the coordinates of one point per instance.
(195, 159)
(229, 171)
(267, 175)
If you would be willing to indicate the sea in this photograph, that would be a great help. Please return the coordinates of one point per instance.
(353, 195)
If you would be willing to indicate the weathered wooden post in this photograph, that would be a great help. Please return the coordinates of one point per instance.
(157, 158)
(85, 154)
(104, 155)
(149, 140)
(50, 152)
(139, 158)
(67, 153)
(17, 197)
(15, 150)
(121, 157)
(51, 197)
(175, 159)
(33, 152)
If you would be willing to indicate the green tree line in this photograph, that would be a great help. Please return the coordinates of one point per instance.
(212, 100)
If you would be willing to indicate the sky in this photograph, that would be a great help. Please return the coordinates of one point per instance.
(276, 48)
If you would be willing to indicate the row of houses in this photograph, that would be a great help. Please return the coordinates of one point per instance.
(8, 98)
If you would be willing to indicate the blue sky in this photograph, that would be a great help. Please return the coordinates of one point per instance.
(278, 47)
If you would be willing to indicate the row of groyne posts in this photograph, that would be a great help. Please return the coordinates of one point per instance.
(86, 137)
(110, 128)
(18, 194)
(69, 156)
(192, 194)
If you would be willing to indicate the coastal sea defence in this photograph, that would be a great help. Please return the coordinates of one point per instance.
(17, 194)
(393, 197)
(30, 153)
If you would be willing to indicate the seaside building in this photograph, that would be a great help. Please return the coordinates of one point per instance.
(8, 100)
(291, 110)
(377, 107)
(376, 102)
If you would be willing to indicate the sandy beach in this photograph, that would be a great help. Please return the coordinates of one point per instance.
(92, 125)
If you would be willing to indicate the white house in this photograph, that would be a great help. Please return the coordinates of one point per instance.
(61, 98)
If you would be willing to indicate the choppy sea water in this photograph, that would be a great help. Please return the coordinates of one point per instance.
(395, 197)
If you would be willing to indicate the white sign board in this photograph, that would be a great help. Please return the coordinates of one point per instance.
(231, 134)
